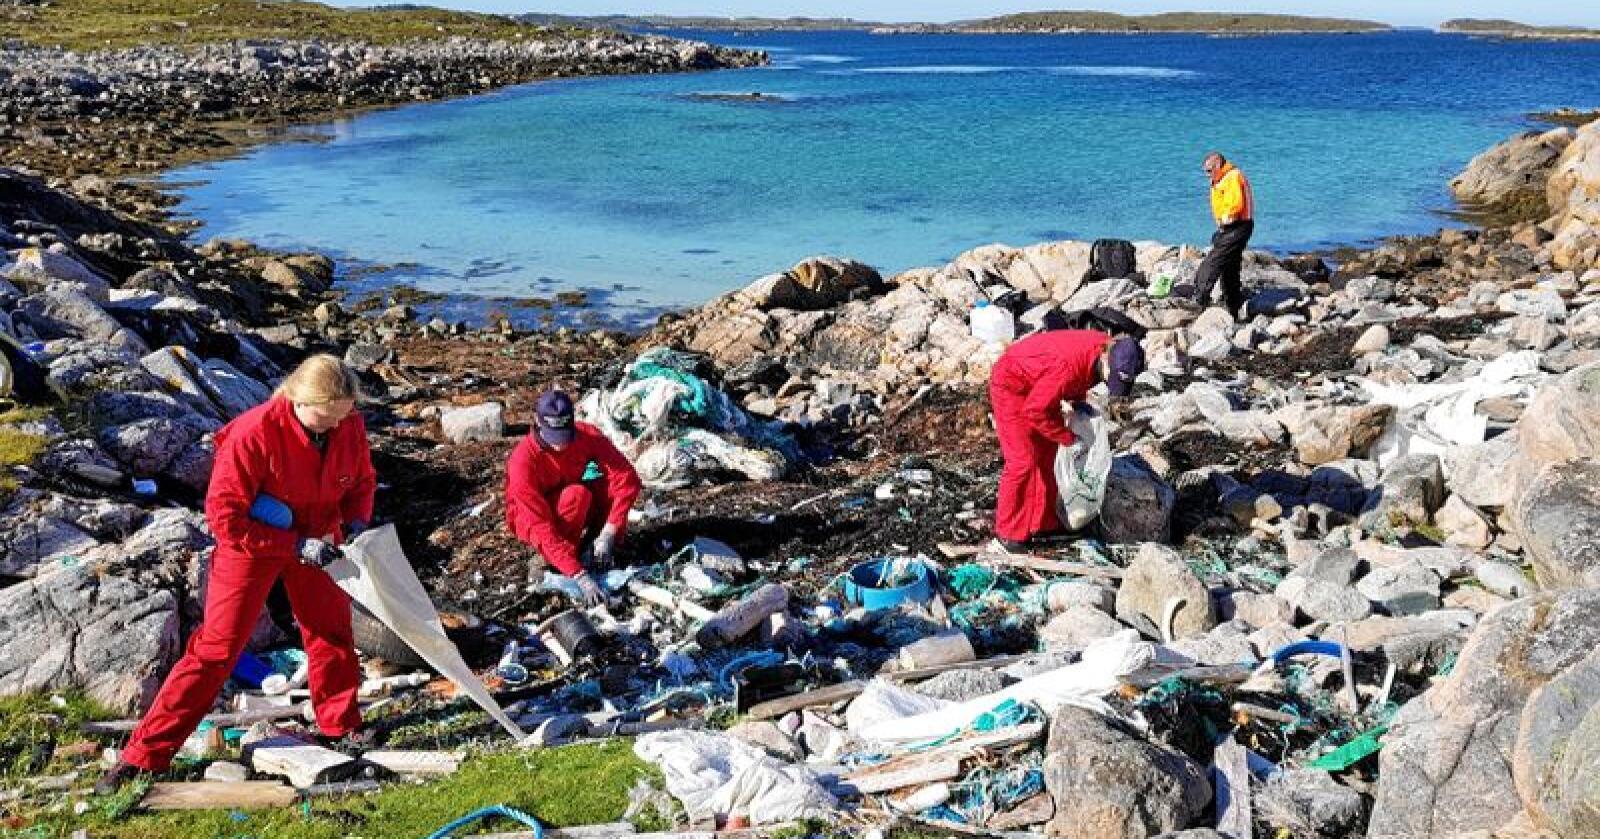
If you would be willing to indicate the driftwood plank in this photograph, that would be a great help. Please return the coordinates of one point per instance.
(213, 795)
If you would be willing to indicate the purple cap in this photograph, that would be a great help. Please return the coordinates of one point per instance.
(554, 417)
(1126, 362)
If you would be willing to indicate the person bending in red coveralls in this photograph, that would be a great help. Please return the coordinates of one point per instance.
(1027, 387)
(550, 505)
(307, 448)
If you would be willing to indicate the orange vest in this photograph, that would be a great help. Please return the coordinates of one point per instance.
(1230, 195)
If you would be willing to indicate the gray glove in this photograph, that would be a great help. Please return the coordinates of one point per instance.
(593, 595)
(317, 553)
(604, 546)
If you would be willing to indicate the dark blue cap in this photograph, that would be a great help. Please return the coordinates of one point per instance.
(554, 418)
(1125, 363)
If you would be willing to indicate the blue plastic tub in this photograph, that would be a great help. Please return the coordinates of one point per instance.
(861, 586)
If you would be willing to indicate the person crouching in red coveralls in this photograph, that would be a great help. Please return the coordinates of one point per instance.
(550, 505)
(307, 448)
(1027, 387)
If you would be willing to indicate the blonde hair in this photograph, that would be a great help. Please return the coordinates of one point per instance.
(319, 380)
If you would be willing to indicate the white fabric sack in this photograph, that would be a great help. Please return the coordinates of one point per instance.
(1081, 469)
(883, 701)
(714, 774)
(376, 574)
(1104, 663)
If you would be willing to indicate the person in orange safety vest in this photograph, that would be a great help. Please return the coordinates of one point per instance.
(1233, 209)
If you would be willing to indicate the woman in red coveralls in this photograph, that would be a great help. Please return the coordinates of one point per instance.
(1026, 390)
(305, 447)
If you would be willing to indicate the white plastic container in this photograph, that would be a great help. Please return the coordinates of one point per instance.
(992, 324)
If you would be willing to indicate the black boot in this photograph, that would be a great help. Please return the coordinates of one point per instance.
(118, 777)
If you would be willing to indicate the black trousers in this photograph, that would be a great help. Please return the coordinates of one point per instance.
(1224, 262)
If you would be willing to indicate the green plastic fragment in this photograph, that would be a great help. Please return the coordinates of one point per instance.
(1352, 752)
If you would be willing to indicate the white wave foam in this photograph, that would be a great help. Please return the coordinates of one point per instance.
(937, 69)
(824, 58)
(1133, 71)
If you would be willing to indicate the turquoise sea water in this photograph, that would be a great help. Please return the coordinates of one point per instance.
(895, 150)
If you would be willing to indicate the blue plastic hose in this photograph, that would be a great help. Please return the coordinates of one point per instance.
(490, 812)
(1327, 648)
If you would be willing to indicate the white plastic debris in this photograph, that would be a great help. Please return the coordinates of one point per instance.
(714, 774)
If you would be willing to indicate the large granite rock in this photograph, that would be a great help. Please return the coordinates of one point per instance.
(1157, 576)
(1326, 434)
(1446, 764)
(820, 282)
(78, 629)
(1108, 784)
(1517, 167)
(1573, 195)
(1558, 522)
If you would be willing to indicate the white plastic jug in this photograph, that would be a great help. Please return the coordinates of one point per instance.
(992, 324)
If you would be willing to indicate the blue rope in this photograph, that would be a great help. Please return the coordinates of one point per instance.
(759, 658)
(490, 812)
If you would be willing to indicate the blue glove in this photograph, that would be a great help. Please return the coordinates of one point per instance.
(354, 529)
(272, 512)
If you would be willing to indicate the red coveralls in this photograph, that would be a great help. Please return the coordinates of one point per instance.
(551, 507)
(1026, 388)
(266, 450)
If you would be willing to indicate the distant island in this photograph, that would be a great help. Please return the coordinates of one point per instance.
(1494, 28)
(719, 24)
(102, 24)
(1214, 23)
(1166, 22)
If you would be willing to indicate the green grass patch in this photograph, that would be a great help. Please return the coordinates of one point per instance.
(17, 448)
(573, 785)
(111, 24)
(34, 727)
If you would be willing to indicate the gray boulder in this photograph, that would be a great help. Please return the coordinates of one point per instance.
(1138, 505)
(1411, 489)
(815, 284)
(43, 267)
(1157, 576)
(1445, 767)
(1406, 589)
(478, 422)
(1074, 628)
(1309, 802)
(1558, 522)
(1324, 601)
(61, 312)
(148, 446)
(1558, 750)
(1108, 784)
(81, 630)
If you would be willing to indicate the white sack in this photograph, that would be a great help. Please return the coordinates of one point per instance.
(714, 774)
(1081, 469)
(1432, 417)
(1082, 685)
(376, 574)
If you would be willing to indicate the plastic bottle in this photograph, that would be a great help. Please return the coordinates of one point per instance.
(992, 324)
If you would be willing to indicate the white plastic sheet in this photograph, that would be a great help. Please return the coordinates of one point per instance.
(1081, 469)
(1431, 418)
(376, 574)
(1082, 685)
(714, 774)
(883, 701)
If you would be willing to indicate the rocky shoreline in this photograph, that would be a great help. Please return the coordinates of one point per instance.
(1385, 446)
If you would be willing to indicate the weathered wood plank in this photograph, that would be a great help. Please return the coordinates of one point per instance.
(212, 795)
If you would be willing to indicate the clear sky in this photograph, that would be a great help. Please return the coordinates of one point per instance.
(1402, 12)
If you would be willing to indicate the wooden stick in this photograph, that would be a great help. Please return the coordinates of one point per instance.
(1053, 566)
(1259, 712)
(934, 650)
(829, 695)
(667, 600)
(405, 762)
(906, 772)
(737, 619)
(234, 720)
(1219, 674)
(214, 795)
